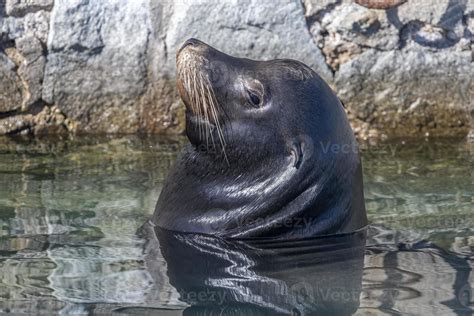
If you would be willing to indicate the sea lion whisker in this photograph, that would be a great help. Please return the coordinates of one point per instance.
(214, 108)
(193, 94)
(203, 104)
(208, 99)
(202, 99)
(195, 101)
(214, 111)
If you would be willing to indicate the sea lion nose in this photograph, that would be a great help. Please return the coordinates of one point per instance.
(192, 42)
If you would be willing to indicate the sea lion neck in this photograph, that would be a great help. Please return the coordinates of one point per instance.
(239, 161)
(255, 161)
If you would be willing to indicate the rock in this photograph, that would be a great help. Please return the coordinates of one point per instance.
(27, 33)
(97, 64)
(110, 70)
(161, 110)
(315, 8)
(11, 89)
(47, 121)
(6, 63)
(380, 4)
(390, 90)
(363, 47)
(31, 69)
(109, 66)
(349, 29)
(432, 24)
(252, 28)
(22, 7)
(470, 136)
(35, 24)
(469, 28)
(29, 47)
(16, 124)
(444, 13)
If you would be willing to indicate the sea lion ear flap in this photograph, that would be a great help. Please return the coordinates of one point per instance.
(297, 154)
(301, 149)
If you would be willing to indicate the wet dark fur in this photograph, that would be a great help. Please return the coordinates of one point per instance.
(273, 174)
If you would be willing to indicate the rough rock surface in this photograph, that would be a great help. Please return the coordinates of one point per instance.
(402, 71)
(348, 30)
(31, 68)
(24, 28)
(401, 67)
(97, 70)
(252, 28)
(389, 90)
(36, 24)
(49, 121)
(10, 86)
(22, 7)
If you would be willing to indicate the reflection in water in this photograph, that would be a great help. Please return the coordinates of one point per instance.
(318, 276)
(70, 210)
(68, 218)
(417, 277)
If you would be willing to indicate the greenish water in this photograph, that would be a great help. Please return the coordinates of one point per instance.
(70, 210)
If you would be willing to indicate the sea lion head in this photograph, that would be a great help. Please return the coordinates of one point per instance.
(270, 143)
(234, 105)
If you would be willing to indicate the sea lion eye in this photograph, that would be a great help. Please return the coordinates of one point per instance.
(255, 100)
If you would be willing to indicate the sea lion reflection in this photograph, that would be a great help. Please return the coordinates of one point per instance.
(317, 276)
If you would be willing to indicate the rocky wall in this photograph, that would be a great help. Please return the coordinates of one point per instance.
(402, 68)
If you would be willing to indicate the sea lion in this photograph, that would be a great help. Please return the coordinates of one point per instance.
(271, 152)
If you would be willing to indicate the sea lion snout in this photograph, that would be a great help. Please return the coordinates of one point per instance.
(197, 70)
(192, 43)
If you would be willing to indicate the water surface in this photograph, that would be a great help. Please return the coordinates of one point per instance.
(70, 210)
